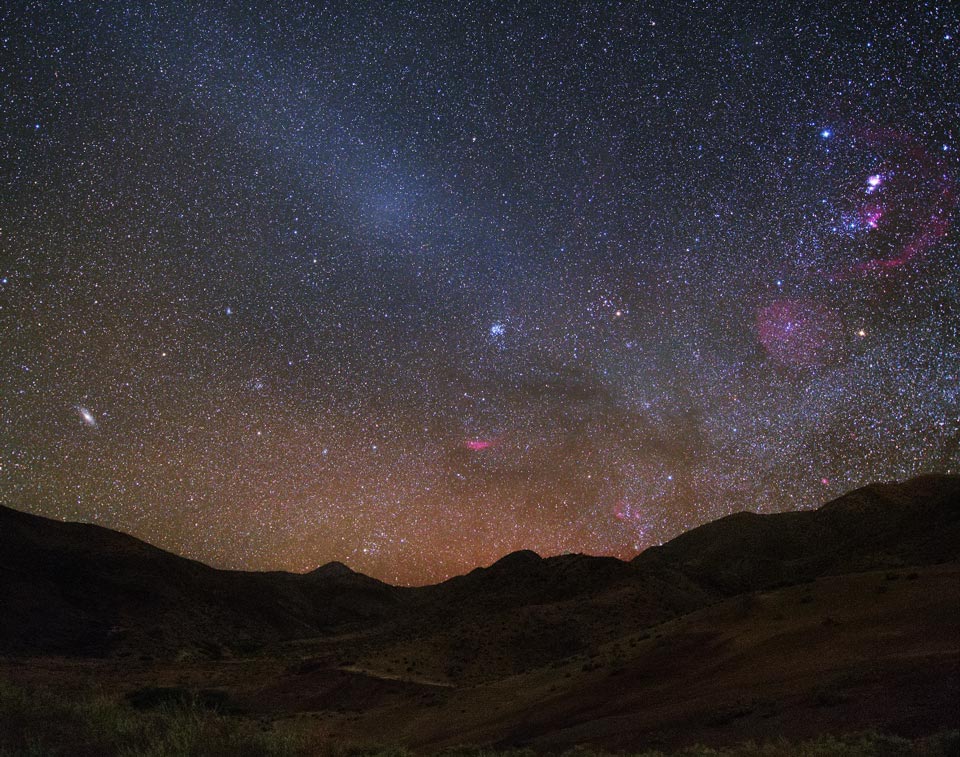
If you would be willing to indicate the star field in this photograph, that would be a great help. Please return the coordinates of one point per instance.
(412, 286)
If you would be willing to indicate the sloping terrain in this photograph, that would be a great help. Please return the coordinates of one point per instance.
(751, 627)
(882, 525)
(524, 612)
(843, 653)
(81, 589)
(72, 588)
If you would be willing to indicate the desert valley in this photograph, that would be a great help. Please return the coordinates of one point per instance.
(839, 620)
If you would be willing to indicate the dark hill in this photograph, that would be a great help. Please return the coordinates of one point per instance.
(525, 611)
(331, 569)
(879, 526)
(524, 577)
(752, 627)
(75, 588)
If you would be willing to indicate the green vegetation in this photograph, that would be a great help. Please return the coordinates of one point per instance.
(168, 722)
(44, 724)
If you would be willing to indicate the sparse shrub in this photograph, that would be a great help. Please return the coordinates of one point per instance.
(151, 697)
(41, 722)
(210, 649)
(308, 665)
(215, 699)
(729, 714)
(247, 647)
(830, 696)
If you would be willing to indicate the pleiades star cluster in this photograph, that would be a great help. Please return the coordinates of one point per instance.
(411, 285)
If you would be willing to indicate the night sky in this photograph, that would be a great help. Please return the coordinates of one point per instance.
(413, 285)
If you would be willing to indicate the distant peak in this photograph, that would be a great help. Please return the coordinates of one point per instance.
(331, 570)
(520, 557)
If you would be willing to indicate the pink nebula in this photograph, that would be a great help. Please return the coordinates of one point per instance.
(927, 234)
(871, 213)
(478, 445)
(917, 204)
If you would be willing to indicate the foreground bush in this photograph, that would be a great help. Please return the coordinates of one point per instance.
(42, 724)
(169, 722)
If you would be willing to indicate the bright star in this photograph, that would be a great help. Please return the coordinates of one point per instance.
(826, 133)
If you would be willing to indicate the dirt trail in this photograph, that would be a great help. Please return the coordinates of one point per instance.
(395, 677)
